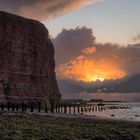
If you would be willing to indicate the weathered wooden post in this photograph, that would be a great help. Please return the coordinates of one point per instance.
(82, 110)
(78, 108)
(17, 106)
(52, 106)
(96, 108)
(55, 107)
(61, 108)
(13, 107)
(58, 107)
(2, 106)
(39, 106)
(46, 107)
(74, 108)
(8, 106)
(69, 108)
(90, 108)
(22, 107)
(85, 109)
(65, 108)
(93, 108)
(25, 107)
(32, 107)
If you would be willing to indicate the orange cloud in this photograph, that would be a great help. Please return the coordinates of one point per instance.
(46, 9)
(89, 50)
(87, 70)
(79, 57)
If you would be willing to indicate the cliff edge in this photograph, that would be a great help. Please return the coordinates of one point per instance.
(27, 66)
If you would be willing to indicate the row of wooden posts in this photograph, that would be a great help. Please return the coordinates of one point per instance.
(72, 108)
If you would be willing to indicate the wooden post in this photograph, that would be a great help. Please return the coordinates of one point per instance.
(32, 106)
(52, 106)
(90, 108)
(85, 108)
(61, 108)
(93, 108)
(96, 108)
(8, 106)
(69, 108)
(65, 108)
(2, 106)
(25, 106)
(58, 107)
(22, 107)
(39, 107)
(46, 108)
(17, 107)
(78, 108)
(13, 107)
(82, 110)
(74, 108)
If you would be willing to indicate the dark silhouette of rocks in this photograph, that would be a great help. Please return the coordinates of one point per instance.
(27, 66)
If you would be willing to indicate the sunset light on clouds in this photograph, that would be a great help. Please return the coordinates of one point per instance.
(96, 42)
(88, 70)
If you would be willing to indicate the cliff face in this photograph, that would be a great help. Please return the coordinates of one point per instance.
(27, 66)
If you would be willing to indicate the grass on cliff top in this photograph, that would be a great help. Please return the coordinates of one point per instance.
(36, 127)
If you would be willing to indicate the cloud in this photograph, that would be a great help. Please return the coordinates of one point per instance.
(14, 6)
(69, 43)
(43, 9)
(48, 9)
(78, 55)
(89, 50)
(74, 89)
(89, 70)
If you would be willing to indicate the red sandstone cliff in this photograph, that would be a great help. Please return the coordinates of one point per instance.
(27, 66)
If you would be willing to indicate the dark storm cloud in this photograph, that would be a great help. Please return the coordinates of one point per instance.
(69, 43)
(43, 9)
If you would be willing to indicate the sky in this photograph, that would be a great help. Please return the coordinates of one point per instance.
(97, 44)
(115, 21)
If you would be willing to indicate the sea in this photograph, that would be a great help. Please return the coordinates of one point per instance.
(119, 110)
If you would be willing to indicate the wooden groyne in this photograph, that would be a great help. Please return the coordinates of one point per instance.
(52, 107)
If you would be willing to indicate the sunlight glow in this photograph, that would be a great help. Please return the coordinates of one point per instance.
(90, 71)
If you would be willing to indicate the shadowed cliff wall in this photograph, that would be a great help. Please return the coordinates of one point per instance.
(27, 66)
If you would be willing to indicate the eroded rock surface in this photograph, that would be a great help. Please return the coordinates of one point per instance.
(27, 66)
